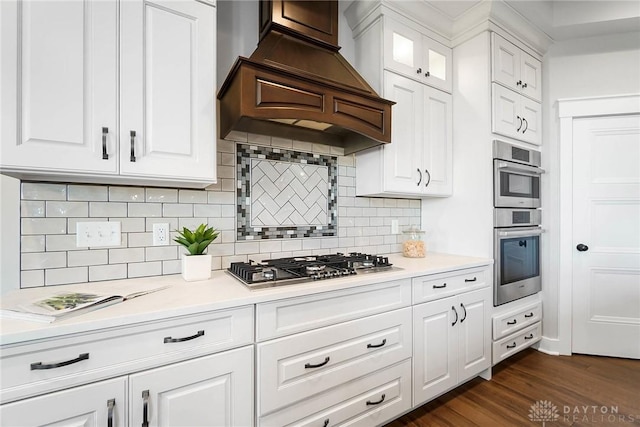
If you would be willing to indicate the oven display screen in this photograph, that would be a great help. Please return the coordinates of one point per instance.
(519, 258)
(520, 154)
(520, 217)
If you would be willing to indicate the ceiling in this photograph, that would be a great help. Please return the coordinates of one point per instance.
(562, 19)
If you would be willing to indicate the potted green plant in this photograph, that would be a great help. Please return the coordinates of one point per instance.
(196, 265)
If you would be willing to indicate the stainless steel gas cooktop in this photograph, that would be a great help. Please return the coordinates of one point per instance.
(286, 271)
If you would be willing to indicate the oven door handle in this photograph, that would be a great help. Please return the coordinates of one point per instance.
(504, 166)
(521, 233)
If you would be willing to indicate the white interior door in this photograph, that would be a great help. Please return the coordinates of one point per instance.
(606, 222)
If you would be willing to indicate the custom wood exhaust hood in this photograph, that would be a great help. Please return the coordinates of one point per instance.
(296, 85)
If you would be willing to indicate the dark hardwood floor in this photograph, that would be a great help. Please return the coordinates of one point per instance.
(585, 391)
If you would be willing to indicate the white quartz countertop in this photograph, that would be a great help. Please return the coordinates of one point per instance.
(181, 298)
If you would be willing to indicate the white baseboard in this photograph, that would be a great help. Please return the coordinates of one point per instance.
(549, 346)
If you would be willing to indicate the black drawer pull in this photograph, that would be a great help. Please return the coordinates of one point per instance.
(384, 341)
(511, 346)
(528, 315)
(530, 337)
(326, 423)
(470, 280)
(512, 322)
(378, 402)
(439, 286)
(309, 365)
(110, 404)
(192, 337)
(145, 408)
(39, 365)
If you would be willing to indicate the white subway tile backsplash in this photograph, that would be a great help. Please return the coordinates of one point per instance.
(87, 193)
(107, 209)
(32, 243)
(62, 242)
(161, 195)
(144, 269)
(107, 272)
(42, 260)
(43, 191)
(122, 256)
(31, 278)
(67, 209)
(192, 196)
(86, 258)
(126, 194)
(177, 210)
(43, 226)
(234, 135)
(62, 276)
(50, 213)
(145, 209)
(32, 209)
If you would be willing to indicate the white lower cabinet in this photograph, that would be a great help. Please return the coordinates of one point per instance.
(452, 342)
(516, 326)
(100, 404)
(215, 390)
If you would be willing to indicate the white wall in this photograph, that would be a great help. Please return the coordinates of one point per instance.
(9, 234)
(597, 66)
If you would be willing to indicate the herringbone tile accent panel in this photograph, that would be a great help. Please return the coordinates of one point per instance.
(288, 194)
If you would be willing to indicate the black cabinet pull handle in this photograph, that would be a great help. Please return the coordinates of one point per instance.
(309, 365)
(511, 346)
(378, 402)
(513, 322)
(519, 82)
(524, 85)
(471, 280)
(105, 131)
(526, 125)
(110, 404)
(520, 125)
(529, 337)
(145, 408)
(456, 313)
(419, 71)
(427, 74)
(326, 423)
(440, 286)
(528, 315)
(420, 178)
(384, 341)
(132, 158)
(465, 312)
(40, 365)
(426, 184)
(192, 337)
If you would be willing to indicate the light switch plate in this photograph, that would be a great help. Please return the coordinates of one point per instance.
(98, 234)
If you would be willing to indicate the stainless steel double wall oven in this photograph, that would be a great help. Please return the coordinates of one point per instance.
(517, 220)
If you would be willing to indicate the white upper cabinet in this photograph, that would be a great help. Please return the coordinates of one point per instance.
(59, 86)
(516, 116)
(515, 68)
(409, 52)
(109, 91)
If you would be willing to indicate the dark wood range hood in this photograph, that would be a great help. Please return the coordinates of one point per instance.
(296, 85)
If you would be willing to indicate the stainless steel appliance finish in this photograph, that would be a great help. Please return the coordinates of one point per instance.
(508, 217)
(517, 263)
(516, 176)
(288, 271)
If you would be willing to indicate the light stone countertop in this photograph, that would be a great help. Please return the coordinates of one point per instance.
(182, 298)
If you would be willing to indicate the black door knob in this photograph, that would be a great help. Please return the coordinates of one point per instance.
(582, 248)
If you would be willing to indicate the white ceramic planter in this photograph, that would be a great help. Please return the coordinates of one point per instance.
(196, 267)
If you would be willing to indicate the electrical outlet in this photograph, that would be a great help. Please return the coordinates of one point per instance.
(394, 226)
(160, 234)
(98, 234)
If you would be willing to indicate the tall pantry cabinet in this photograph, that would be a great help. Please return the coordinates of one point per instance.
(109, 90)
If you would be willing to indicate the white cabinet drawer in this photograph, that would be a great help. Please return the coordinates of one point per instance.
(57, 363)
(284, 317)
(513, 321)
(354, 403)
(428, 288)
(294, 368)
(516, 342)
